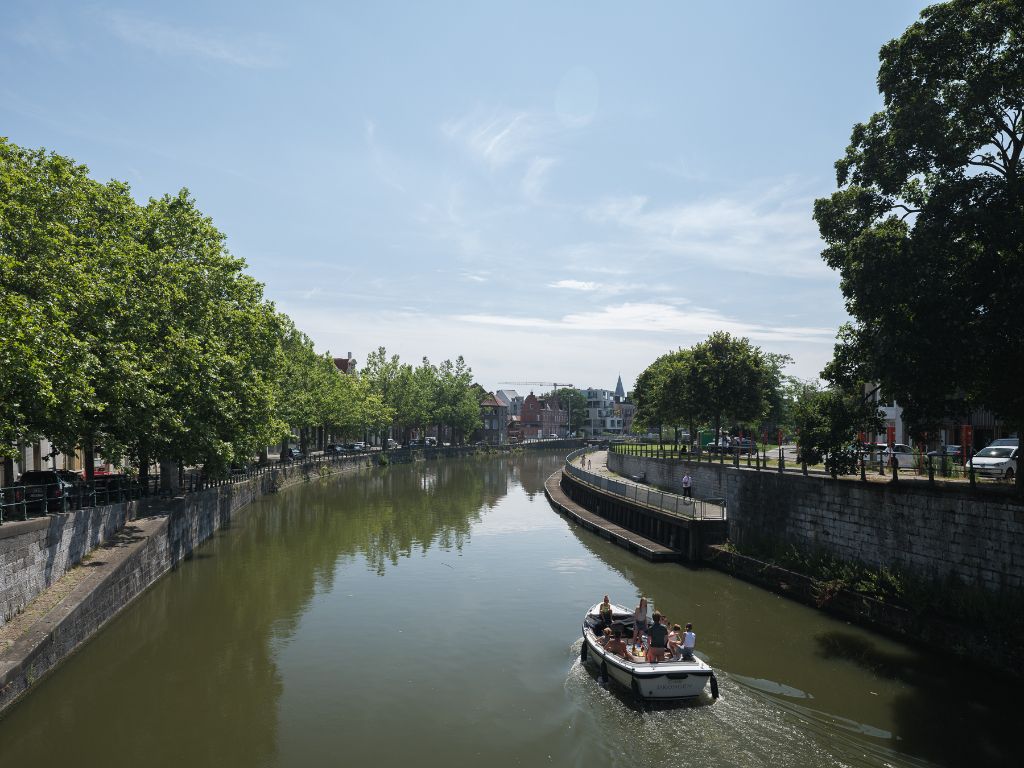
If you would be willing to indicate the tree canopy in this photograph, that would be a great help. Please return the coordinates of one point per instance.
(927, 227)
(131, 328)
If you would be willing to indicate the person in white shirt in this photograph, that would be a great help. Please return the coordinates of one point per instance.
(689, 641)
(687, 486)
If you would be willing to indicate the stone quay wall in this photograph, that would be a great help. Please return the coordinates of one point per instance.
(930, 533)
(36, 553)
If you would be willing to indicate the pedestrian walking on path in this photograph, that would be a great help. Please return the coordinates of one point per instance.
(687, 486)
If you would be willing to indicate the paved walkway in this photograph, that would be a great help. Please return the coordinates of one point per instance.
(701, 509)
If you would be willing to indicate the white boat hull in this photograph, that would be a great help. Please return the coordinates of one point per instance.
(663, 681)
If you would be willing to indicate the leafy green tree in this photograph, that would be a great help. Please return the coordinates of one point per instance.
(456, 405)
(383, 374)
(827, 421)
(43, 281)
(731, 380)
(927, 227)
(208, 344)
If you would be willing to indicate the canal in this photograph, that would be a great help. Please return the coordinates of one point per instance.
(429, 615)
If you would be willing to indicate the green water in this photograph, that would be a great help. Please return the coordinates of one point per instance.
(429, 615)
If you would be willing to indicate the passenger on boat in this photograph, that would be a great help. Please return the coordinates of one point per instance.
(689, 642)
(605, 610)
(605, 637)
(659, 640)
(675, 642)
(639, 620)
(617, 645)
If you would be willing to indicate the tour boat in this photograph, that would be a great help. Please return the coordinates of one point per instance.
(661, 681)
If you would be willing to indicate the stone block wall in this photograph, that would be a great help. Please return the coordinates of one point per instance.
(931, 533)
(35, 554)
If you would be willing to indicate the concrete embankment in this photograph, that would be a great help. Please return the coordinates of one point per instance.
(123, 549)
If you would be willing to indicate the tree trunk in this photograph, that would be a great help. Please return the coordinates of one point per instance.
(169, 477)
(88, 459)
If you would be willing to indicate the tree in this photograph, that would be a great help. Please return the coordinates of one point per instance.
(828, 421)
(207, 344)
(731, 379)
(456, 406)
(927, 227)
(43, 281)
(383, 374)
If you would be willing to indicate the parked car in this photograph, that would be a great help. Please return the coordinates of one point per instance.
(391, 444)
(900, 454)
(45, 490)
(995, 461)
(1011, 441)
(291, 454)
(432, 442)
(112, 487)
(357, 447)
(952, 453)
(743, 445)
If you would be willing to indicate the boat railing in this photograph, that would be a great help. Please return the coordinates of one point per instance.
(645, 495)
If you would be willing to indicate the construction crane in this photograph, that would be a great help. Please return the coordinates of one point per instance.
(554, 385)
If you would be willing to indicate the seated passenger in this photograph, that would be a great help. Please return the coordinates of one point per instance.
(605, 637)
(675, 641)
(689, 641)
(618, 646)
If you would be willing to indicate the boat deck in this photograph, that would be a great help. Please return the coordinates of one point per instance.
(616, 534)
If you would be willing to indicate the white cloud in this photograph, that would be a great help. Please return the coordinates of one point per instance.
(497, 137)
(575, 285)
(536, 176)
(170, 40)
(659, 318)
(767, 232)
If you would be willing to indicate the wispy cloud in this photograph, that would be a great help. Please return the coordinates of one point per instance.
(659, 318)
(767, 231)
(169, 40)
(536, 177)
(575, 285)
(498, 137)
(384, 162)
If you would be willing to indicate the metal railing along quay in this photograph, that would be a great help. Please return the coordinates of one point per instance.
(31, 499)
(637, 493)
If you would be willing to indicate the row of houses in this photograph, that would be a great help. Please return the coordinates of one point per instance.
(507, 417)
(510, 417)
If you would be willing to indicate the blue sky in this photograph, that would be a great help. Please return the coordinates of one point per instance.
(556, 191)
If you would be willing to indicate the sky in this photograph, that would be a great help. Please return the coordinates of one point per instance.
(556, 191)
